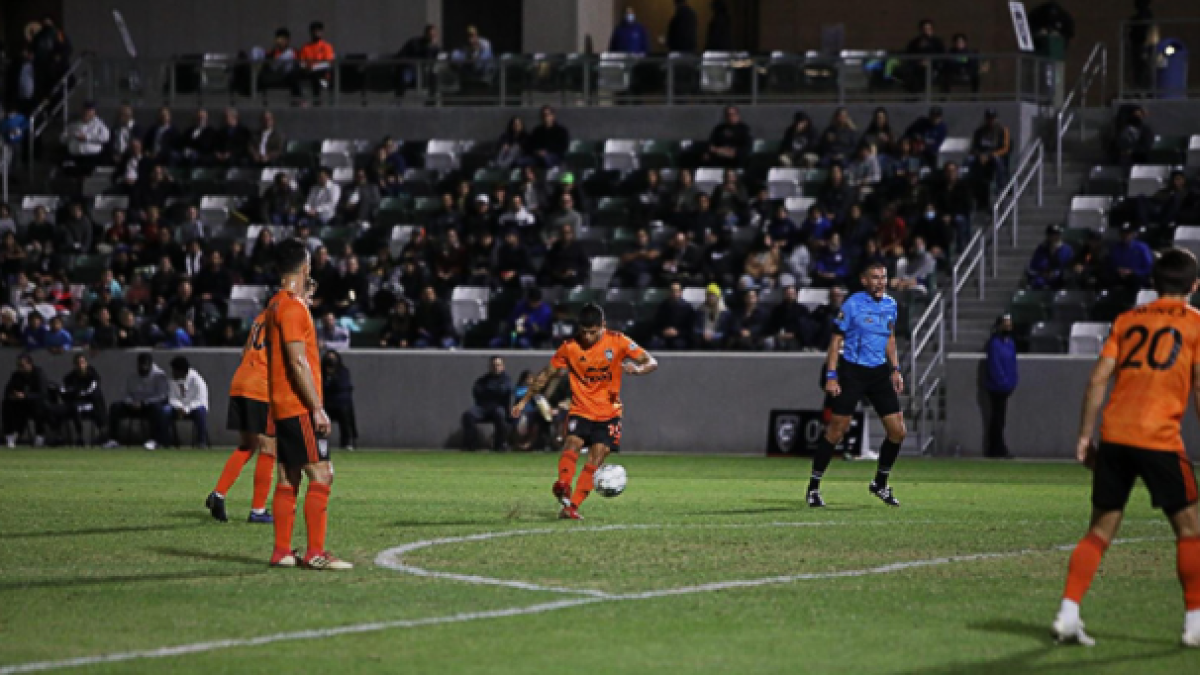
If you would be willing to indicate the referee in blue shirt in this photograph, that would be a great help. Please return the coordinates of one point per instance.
(862, 363)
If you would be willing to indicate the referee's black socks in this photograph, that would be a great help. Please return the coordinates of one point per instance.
(888, 452)
(821, 459)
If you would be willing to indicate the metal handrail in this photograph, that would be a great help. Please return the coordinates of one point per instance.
(1096, 64)
(930, 327)
(972, 257)
(1032, 163)
(40, 118)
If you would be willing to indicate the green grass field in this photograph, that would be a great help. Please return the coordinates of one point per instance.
(105, 553)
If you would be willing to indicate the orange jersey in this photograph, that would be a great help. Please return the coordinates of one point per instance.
(1155, 347)
(596, 374)
(316, 52)
(250, 380)
(288, 320)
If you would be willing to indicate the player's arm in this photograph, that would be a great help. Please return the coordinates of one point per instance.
(1097, 387)
(893, 358)
(1196, 387)
(831, 362)
(300, 374)
(640, 364)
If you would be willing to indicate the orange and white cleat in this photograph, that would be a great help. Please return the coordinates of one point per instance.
(326, 561)
(285, 558)
(570, 512)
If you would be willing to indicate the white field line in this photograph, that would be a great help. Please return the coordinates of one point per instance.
(384, 560)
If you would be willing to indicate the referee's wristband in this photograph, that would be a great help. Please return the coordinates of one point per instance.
(831, 375)
(896, 368)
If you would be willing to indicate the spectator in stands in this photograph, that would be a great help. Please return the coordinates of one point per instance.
(1134, 139)
(879, 132)
(534, 192)
(278, 71)
(549, 141)
(963, 66)
(123, 132)
(712, 320)
(925, 44)
(782, 228)
(128, 178)
(52, 55)
(816, 228)
(74, 233)
(786, 323)
(680, 261)
(146, 393)
(25, 402)
(683, 31)
(188, 399)
(730, 200)
(937, 230)
(638, 263)
(33, 336)
(529, 325)
(323, 198)
(719, 263)
(338, 390)
(198, 142)
(839, 139)
(156, 189)
(1050, 18)
(58, 340)
(304, 234)
(331, 334)
(1086, 268)
(86, 139)
(800, 145)
(280, 204)
(837, 195)
(214, 283)
(1051, 261)
(730, 142)
(512, 143)
(316, 63)
(1172, 205)
(8, 224)
(517, 216)
(1000, 379)
(231, 147)
(629, 36)
(513, 260)
(799, 265)
(128, 335)
(566, 264)
(747, 325)
(915, 269)
(267, 144)
(24, 86)
(424, 47)
(863, 171)
(763, 263)
(953, 197)
(193, 229)
(720, 28)
(703, 219)
(10, 328)
(651, 202)
(83, 397)
(162, 139)
(362, 199)
(492, 396)
(831, 267)
(104, 336)
(900, 165)
(477, 55)
(434, 327)
(1129, 261)
(400, 329)
(674, 321)
(928, 133)
(993, 139)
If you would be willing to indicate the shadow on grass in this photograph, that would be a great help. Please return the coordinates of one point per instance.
(128, 529)
(1041, 633)
(209, 556)
(72, 582)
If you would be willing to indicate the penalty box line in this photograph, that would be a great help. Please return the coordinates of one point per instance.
(541, 608)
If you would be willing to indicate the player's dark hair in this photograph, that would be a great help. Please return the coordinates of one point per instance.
(1175, 272)
(290, 254)
(591, 316)
(877, 265)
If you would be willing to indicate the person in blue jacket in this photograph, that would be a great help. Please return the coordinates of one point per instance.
(931, 132)
(1000, 380)
(1129, 261)
(629, 36)
(1050, 261)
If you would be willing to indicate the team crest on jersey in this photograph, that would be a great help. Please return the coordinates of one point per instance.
(608, 354)
(869, 319)
(841, 316)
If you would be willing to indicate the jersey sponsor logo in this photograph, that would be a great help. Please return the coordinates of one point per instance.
(608, 354)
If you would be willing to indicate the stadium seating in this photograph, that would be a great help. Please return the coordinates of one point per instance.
(1146, 179)
(954, 150)
(1087, 338)
(1089, 213)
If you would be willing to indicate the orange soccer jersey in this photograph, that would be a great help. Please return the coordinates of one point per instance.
(596, 374)
(250, 380)
(1155, 347)
(288, 320)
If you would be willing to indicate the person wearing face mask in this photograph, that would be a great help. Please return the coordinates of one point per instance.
(937, 230)
(629, 36)
(1000, 380)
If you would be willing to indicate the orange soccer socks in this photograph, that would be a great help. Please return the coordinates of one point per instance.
(1082, 569)
(583, 487)
(566, 466)
(316, 507)
(285, 516)
(233, 468)
(264, 471)
(1188, 561)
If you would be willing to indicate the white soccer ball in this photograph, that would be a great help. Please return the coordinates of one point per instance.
(611, 480)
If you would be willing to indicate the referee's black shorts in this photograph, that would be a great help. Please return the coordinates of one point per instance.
(1168, 476)
(859, 382)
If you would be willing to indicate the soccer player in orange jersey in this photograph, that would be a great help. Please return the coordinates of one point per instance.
(301, 425)
(1154, 354)
(594, 360)
(250, 416)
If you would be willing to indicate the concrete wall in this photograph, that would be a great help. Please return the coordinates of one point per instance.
(1170, 118)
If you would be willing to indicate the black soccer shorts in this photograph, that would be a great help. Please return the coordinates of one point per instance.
(872, 383)
(1169, 476)
(296, 442)
(593, 433)
(249, 415)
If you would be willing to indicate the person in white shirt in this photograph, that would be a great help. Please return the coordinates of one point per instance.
(323, 198)
(124, 132)
(188, 398)
(85, 139)
(331, 335)
(517, 215)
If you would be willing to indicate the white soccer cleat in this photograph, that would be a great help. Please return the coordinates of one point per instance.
(1067, 632)
(11, 440)
(150, 445)
(1191, 638)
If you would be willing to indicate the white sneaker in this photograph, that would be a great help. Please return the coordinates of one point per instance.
(11, 440)
(39, 441)
(111, 445)
(868, 455)
(1071, 633)
(150, 445)
(1191, 639)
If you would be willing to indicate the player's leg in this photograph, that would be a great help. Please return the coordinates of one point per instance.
(264, 471)
(1171, 481)
(597, 453)
(316, 500)
(889, 451)
(293, 457)
(567, 462)
(247, 442)
(835, 430)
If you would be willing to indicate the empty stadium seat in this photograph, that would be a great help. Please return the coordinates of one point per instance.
(603, 268)
(1106, 180)
(1146, 179)
(1193, 151)
(480, 293)
(694, 295)
(954, 150)
(1090, 213)
(614, 72)
(399, 239)
(443, 154)
(268, 176)
(716, 72)
(1046, 337)
(621, 155)
(466, 312)
(336, 160)
(1146, 296)
(708, 178)
(104, 205)
(656, 155)
(343, 175)
(1028, 307)
(29, 204)
(812, 298)
(1168, 150)
(798, 206)
(1087, 337)
(783, 183)
(1188, 236)
(1069, 306)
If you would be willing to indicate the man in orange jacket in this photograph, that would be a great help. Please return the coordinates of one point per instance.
(316, 63)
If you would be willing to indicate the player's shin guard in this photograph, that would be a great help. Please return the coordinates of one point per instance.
(583, 488)
(285, 516)
(1082, 568)
(264, 471)
(821, 459)
(1188, 562)
(316, 510)
(566, 466)
(233, 468)
(888, 452)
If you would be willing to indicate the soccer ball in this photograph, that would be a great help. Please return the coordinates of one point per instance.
(611, 480)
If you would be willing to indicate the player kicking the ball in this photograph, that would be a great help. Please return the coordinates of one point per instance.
(862, 363)
(1153, 352)
(594, 360)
